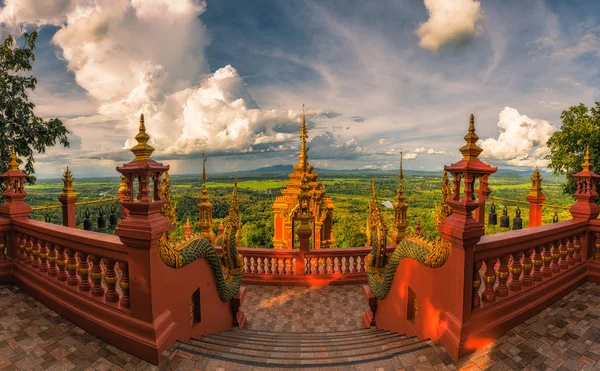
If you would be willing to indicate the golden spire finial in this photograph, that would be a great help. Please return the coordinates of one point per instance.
(587, 160)
(400, 174)
(536, 183)
(373, 189)
(68, 179)
(303, 137)
(203, 171)
(14, 164)
(471, 150)
(142, 150)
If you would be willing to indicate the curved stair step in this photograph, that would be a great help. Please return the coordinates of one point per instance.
(305, 333)
(305, 346)
(239, 336)
(306, 360)
(381, 344)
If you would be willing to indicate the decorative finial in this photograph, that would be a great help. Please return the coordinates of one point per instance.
(400, 174)
(14, 164)
(374, 190)
(471, 150)
(303, 137)
(587, 160)
(203, 171)
(142, 150)
(68, 179)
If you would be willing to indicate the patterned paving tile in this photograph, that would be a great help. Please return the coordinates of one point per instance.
(304, 309)
(565, 336)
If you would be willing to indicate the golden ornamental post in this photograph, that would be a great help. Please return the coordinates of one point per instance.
(68, 200)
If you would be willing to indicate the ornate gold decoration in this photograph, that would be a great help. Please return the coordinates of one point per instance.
(376, 234)
(13, 164)
(205, 208)
(68, 179)
(142, 150)
(400, 207)
(192, 310)
(285, 207)
(168, 209)
(123, 185)
(536, 183)
(587, 160)
(443, 210)
(471, 150)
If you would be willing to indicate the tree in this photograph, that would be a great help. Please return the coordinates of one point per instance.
(580, 128)
(18, 124)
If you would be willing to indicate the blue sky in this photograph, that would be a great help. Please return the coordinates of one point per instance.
(229, 78)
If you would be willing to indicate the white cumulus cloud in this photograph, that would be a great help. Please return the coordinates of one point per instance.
(147, 56)
(450, 21)
(522, 140)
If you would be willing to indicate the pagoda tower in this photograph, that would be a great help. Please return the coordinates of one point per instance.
(286, 206)
(206, 208)
(400, 208)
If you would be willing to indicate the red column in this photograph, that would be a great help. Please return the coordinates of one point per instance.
(482, 193)
(586, 194)
(536, 198)
(68, 210)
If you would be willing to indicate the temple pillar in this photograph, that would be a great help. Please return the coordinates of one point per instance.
(68, 198)
(586, 193)
(463, 232)
(14, 206)
(482, 193)
(536, 198)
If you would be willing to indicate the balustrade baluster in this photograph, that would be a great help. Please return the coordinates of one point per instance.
(246, 264)
(538, 263)
(73, 278)
(52, 271)
(354, 264)
(502, 288)
(336, 265)
(570, 251)
(489, 278)
(362, 263)
(22, 243)
(61, 263)
(555, 253)
(562, 248)
(515, 272)
(35, 253)
(97, 273)
(321, 266)
(84, 272)
(261, 265)
(597, 247)
(274, 266)
(28, 248)
(252, 265)
(288, 266)
(328, 268)
(306, 266)
(268, 266)
(124, 283)
(476, 284)
(293, 262)
(314, 262)
(347, 264)
(44, 256)
(110, 278)
(526, 279)
(280, 266)
(577, 247)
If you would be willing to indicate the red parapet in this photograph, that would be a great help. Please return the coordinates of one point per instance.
(14, 205)
(586, 194)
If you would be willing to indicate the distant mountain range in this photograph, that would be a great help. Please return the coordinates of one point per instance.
(290, 168)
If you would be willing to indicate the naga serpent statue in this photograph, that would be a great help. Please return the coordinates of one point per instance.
(226, 268)
(381, 268)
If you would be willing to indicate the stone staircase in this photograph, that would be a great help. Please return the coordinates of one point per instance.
(303, 349)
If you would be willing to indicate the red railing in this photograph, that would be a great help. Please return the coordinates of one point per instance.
(312, 268)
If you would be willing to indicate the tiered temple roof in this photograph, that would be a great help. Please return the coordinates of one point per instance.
(286, 205)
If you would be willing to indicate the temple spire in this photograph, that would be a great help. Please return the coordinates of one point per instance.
(203, 172)
(400, 173)
(471, 150)
(303, 136)
(587, 164)
(14, 164)
(142, 150)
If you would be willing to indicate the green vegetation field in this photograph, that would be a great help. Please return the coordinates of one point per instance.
(350, 192)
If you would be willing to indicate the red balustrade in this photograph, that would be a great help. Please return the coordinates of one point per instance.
(312, 268)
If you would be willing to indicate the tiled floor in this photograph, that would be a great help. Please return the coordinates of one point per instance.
(304, 309)
(565, 336)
